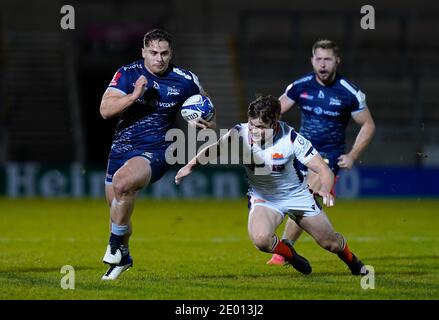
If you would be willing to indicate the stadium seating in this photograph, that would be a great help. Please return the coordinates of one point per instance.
(37, 98)
(237, 49)
(392, 67)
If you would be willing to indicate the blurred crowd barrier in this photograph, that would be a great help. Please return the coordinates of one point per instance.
(32, 179)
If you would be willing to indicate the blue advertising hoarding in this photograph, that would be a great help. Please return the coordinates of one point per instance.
(32, 179)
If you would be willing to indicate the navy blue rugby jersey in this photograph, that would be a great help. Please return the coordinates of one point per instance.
(144, 124)
(326, 110)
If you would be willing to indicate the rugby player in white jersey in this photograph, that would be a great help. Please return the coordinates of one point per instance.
(276, 186)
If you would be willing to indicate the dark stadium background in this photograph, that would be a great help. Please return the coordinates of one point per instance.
(52, 79)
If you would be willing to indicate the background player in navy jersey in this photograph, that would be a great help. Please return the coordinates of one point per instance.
(276, 186)
(327, 101)
(146, 95)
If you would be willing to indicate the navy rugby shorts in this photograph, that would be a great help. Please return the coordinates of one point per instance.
(157, 161)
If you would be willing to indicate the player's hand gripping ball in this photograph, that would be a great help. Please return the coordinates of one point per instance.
(196, 107)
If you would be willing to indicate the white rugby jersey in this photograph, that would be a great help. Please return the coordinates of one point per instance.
(273, 171)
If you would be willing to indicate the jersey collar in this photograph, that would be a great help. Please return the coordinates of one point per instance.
(164, 74)
(336, 78)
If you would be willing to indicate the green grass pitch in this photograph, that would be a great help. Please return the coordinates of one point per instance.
(200, 250)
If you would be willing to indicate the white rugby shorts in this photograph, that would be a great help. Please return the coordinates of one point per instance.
(302, 204)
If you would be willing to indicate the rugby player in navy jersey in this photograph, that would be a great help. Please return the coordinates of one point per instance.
(146, 95)
(326, 101)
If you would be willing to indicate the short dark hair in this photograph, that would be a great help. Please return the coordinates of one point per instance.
(265, 107)
(156, 34)
(326, 44)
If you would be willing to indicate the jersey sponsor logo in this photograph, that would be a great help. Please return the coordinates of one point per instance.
(331, 113)
(321, 95)
(334, 101)
(115, 79)
(166, 104)
(181, 73)
(132, 67)
(155, 103)
(318, 110)
(172, 91)
(306, 96)
(277, 156)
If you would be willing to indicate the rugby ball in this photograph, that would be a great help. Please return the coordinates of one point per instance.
(196, 107)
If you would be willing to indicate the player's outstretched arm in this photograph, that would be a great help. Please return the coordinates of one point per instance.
(113, 103)
(205, 155)
(201, 158)
(318, 165)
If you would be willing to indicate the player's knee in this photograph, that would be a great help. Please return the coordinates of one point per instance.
(262, 241)
(121, 185)
(119, 220)
(330, 245)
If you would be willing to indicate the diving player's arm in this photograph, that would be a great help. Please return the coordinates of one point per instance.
(207, 154)
(318, 165)
(113, 102)
(285, 103)
(364, 136)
